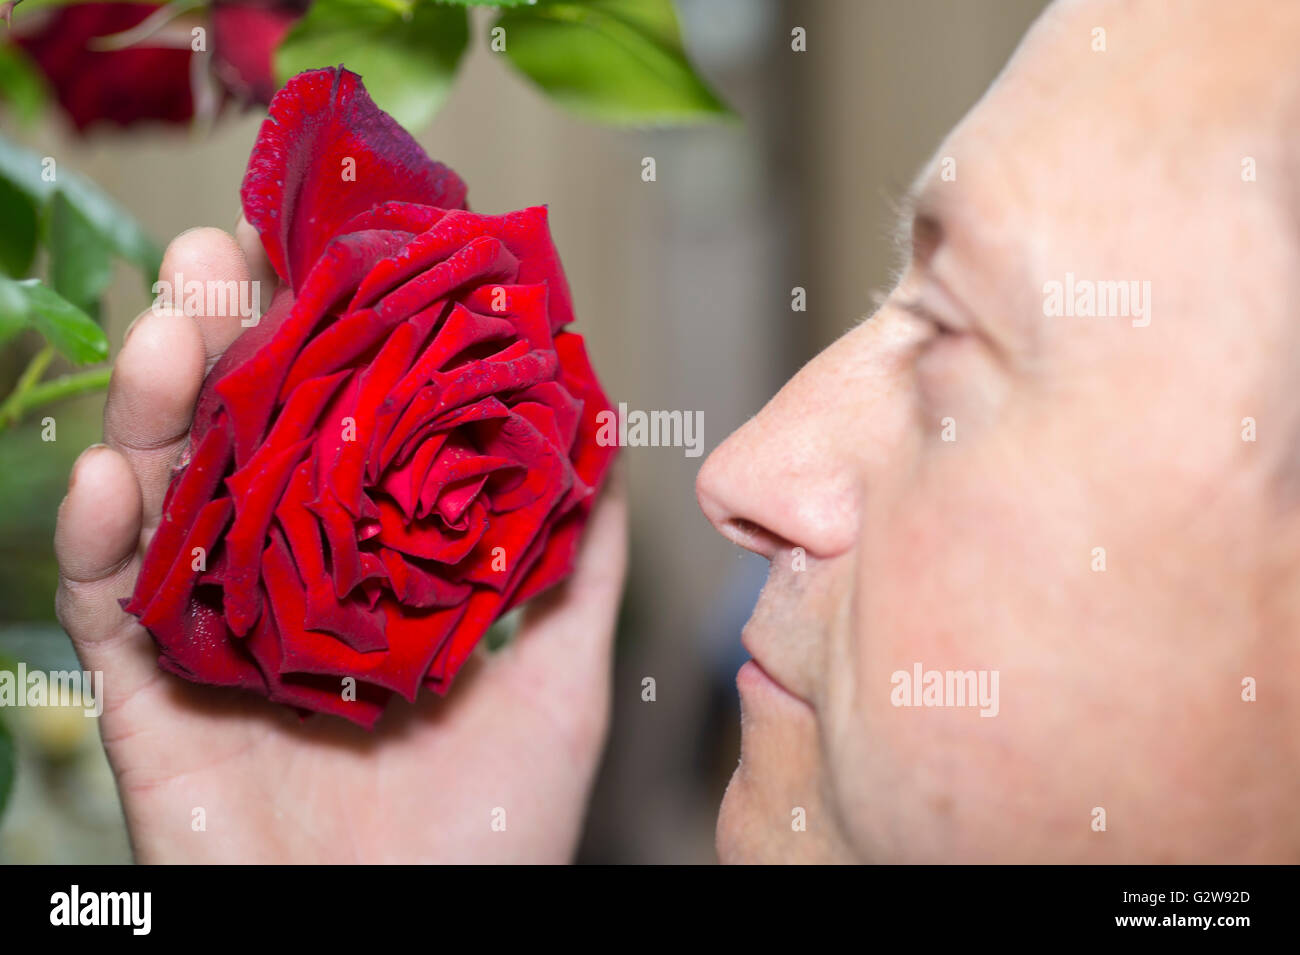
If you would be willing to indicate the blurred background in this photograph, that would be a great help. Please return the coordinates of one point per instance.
(683, 289)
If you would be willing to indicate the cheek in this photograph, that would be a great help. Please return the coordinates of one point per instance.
(983, 563)
(961, 578)
(960, 389)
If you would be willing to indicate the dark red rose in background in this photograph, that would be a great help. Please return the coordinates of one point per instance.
(245, 34)
(123, 86)
(155, 77)
(402, 450)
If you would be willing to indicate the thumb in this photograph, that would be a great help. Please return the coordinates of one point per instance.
(96, 542)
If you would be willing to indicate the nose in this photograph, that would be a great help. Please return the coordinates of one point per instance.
(796, 473)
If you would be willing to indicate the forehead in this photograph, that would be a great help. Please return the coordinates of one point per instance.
(1114, 143)
(1106, 92)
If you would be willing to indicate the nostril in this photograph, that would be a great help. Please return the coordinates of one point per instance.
(725, 490)
(753, 537)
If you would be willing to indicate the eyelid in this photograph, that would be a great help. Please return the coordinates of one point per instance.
(916, 306)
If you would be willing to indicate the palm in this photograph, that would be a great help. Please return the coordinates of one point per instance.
(424, 786)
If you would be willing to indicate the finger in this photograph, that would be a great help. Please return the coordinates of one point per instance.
(561, 658)
(150, 402)
(259, 266)
(95, 543)
(208, 277)
(575, 621)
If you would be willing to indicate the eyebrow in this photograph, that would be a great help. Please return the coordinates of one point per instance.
(904, 207)
(924, 214)
(916, 211)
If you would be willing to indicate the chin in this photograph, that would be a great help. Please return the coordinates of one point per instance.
(731, 837)
(774, 810)
(754, 823)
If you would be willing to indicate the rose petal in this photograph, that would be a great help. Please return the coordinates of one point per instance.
(426, 538)
(189, 491)
(244, 40)
(247, 378)
(174, 593)
(325, 154)
(352, 623)
(312, 692)
(196, 645)
(413, 638)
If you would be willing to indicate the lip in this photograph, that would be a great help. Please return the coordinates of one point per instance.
(758, 638)
(760, 676)
(753, 680)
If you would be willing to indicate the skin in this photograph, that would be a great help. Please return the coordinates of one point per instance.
(1119, 689)
(522, 731)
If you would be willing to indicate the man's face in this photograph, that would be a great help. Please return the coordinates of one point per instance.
(1092, 510)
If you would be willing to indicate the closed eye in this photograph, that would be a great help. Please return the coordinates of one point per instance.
(918, 308)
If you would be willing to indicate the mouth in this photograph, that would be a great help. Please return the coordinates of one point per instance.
(767, 625)
(754, 681)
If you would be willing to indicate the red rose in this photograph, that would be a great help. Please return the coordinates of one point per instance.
(153, 78)
(245, 34)
(402, 449)
(121, 86)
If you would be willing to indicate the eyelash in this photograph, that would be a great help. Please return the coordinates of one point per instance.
(917, 309)
(920, 311)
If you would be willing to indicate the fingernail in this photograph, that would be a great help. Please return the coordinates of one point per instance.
(130, 328)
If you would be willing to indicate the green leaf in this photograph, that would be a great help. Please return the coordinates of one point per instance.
(70, 330)
(27, 6)
(18, 232)
(615, 61)
(66, 327)
(503, 630)
(657, 19)
(40, 177)
(21, 84)
(8, 760)
(407, 61)
(80, 264)
(125, 236)
(13, 310)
